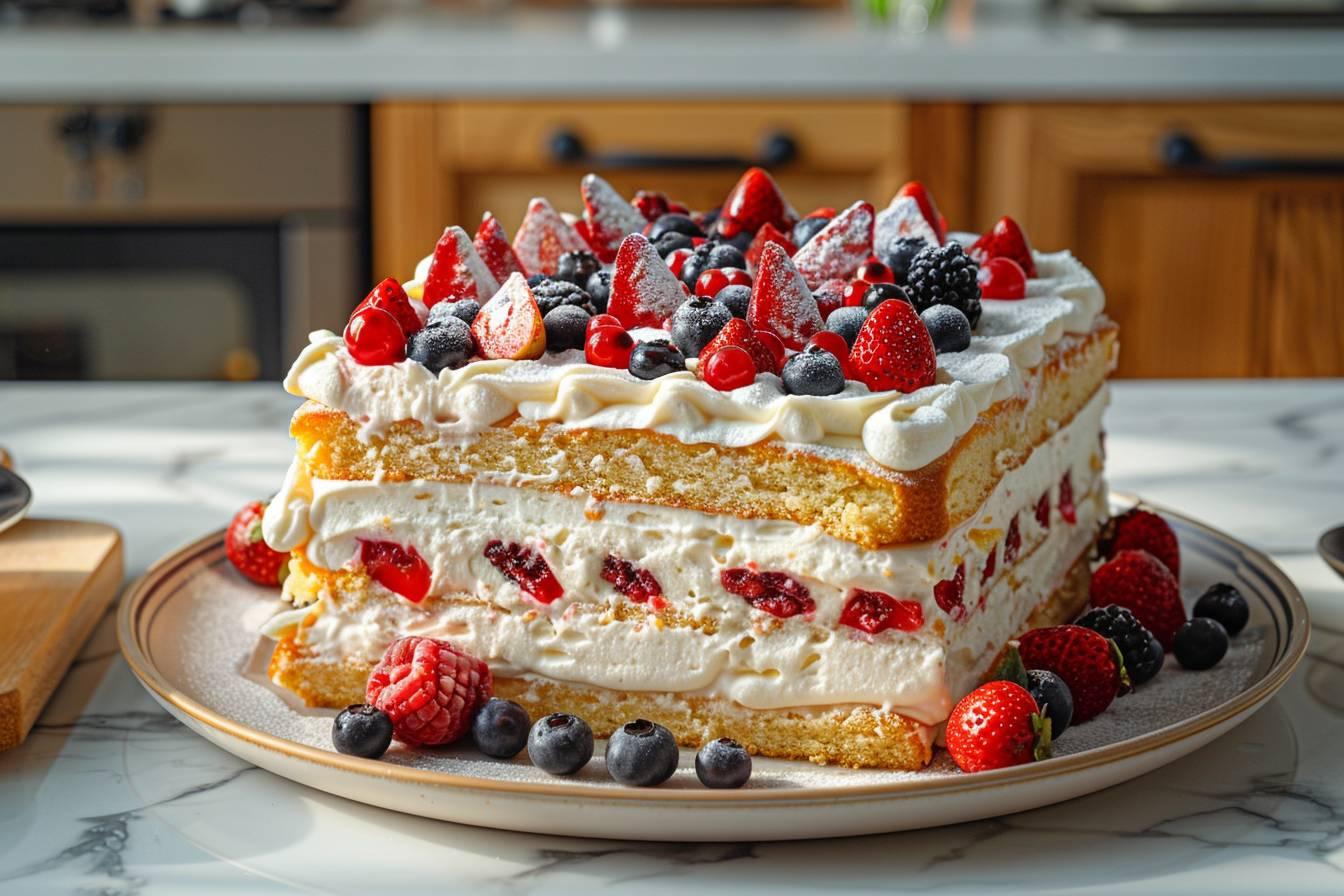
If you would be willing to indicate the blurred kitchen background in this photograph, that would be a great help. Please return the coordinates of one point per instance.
(187, 187)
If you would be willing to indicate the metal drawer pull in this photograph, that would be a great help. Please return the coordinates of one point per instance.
(566, 148)
(1181, 152)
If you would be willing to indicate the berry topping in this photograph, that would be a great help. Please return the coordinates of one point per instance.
(847, 322)
(672, 222)
(429, 689)
(526, 568)
(641, 754)
(807, 228)
(1067, 509)
(543, 237)
(655, 358)
(764, 237)
(493, 248)
(696, 322)
(945, 275)
(833, 343)
(500, 728)
(447, 345)
(713, 280)
(948, 328)
(361, 730)
(510, 324)
(873, 612)
(399, 569)
(599, 290)
(603, 320)
(390, 297)
(374, 337)
(841, 247)
(852, 294)
(997, 725)
(1137, 581)
(1200, 643)
(610, 218)
(1143, 530)
(893, 350)
(672, 241)
(248, 551)
(815, 371)
(737, 298)
(552, 293)
(577, 267)
(1001, 278)
(781, 301)
(723, 764)
(1141, 651)
(566, 328)
(1088, 663)
(729, 368)
(644, 292)
(609, 347)
(924, 199)
(775, 346)
(464, 310)
(1005, 240)
(737, 332)
(949, 594)
(898, 254)
(902, 220)
(771, 592)
(873, 271)
(676, 261)
(987, 573)
(1053, 697)
(695, 265)
(754, 201)
(1012, 542)
(456, 271)
(560, 744)
(829, 296)
(875, 294)
(635, 583)
(652, 205)
(1224, 603)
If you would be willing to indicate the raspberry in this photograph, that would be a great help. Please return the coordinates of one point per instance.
(525, 568)
(429, 689)
(772, 592)
(637, 584)
(949, 592)
(874, 611)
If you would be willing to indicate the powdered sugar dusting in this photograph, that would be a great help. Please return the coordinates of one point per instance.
(839, 248)
(543, 237)
(509, 325)
(610, 218)
(644, 291)
(781, 300)
(456, 271)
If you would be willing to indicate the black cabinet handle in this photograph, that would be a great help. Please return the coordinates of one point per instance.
(567, 148)
(1181, 152)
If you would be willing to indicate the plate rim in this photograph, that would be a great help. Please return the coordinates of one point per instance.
(1294, 649)
(26, 490)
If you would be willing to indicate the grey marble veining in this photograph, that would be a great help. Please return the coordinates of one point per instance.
(110, 795)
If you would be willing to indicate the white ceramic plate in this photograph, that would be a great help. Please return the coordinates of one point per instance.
(15, 498)
(188, 629)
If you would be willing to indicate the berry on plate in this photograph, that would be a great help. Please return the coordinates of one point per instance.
(398, 568)
(641, 754)
(840, 248)
(893, 350)
(764, 237)
(1054, 698)
(500, 729)
(997, 725)
(1005, 240)
(492, 245)
(945, 275)
(739, 333)
(543, 237)
(781, 301)
(755, 200)
(1142, 653)
(644, 292)
(1001, 278)
(723, 764)
(448, 345)
(391, 297)
(1143, 530)
(361, 730)
(510, 325)
(456, 271)
(610, 218)
(560, 744)
(1200, 643)
(1224, 603)
(948, 328)
(248, 551)
(1139, 582)
(1089, 664)
(374, 337)
(429, 689)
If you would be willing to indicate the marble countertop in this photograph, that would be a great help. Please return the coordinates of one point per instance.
(111, 795)
(611, 50)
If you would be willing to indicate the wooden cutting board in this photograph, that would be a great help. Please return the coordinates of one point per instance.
(57, 578)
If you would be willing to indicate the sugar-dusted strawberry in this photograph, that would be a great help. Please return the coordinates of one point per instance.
(510, 324)
(739, 333)
(398, 568)
(543, 237)
(1005, 240)
(644, 291)
(248, 551)
(1089, 664)
(997, 725)
(893, 350)
(651, 205)
(840, 248)
(1142, 530)
(902, 219)
(457, 272)
(374, 337)
(390, 297)
(754, 201)
(492, 245)
(429, 689)
(781, 301)
(924, 199)
(610, 218)
(766, 235)
(1137, 581)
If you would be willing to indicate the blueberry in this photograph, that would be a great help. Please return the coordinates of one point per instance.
(536, 279)
(566, 327)
(741, 240)
(814, 371)
(673, 223)
(899, 253)
(560, 744)
(464, 310)
(879, 292)
(847, 322)
(709, 218)
(1054, 698)
(807, 228)
(1147, 664)
(1200, 643)
(725, 255)
(671, 242)
(737, 298)
(577, 267)
(599, 290)
(500, 728)
(449, 344)
(698, 263)
(658, 357)
(723, 764)
(696, 322)
(1224, 603)
(949, 328)
(361, 730)
(641, 754)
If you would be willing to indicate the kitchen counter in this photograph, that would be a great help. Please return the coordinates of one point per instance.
(110, 794)
(613, 51)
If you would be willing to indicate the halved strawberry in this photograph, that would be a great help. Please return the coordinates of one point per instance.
(781, 301)
(644, 291)
(509, 326)
(1140, 529)
(766, 235)
(390, 297)
(609, 217)
(839, 248)
(543, 237)
(493, 247)
(924, 199)
(739, 333)
(1089, 664)
(1137, 581)
(457, 272)
(755, 200)
(902, 219)
(893, 350)
(1005, 240)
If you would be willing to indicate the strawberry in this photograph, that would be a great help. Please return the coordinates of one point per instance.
(644, 291)
(766, 235)
(1005, 240)
(399, 569)
(1140, 529)
(543, 237)
(902, 219)
(781, 301)
(874, 611)
(391, 297)
(840, 248)
(248, 551)
(493, 247)
(924, 199)
(1137, 581)
(893, 350)
(651, 205)
(997, 725)
(1089, 664)
(429, 689)
(739, 333)
(754, 201)
(509, 325)
(457, 272)
(609, 217)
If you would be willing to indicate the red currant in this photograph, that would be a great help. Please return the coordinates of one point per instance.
(776, 346)
(875, 272)
(853, 294)
(737, 277)
(374, 337)
(1002, 278)
(710, 282)
(602, 320)
(835, 344)
(676, 258)
(609, 347)
(731, 367)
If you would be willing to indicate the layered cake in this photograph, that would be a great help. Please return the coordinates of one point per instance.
(794, 480)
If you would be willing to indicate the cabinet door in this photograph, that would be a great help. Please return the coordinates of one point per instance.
(1229, 267)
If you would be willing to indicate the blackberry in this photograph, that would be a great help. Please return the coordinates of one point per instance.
(1135, 641)
(577, 267)
(536, 279)
(566, 327)
(551, 294)
(945, 275)
(899, 253)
